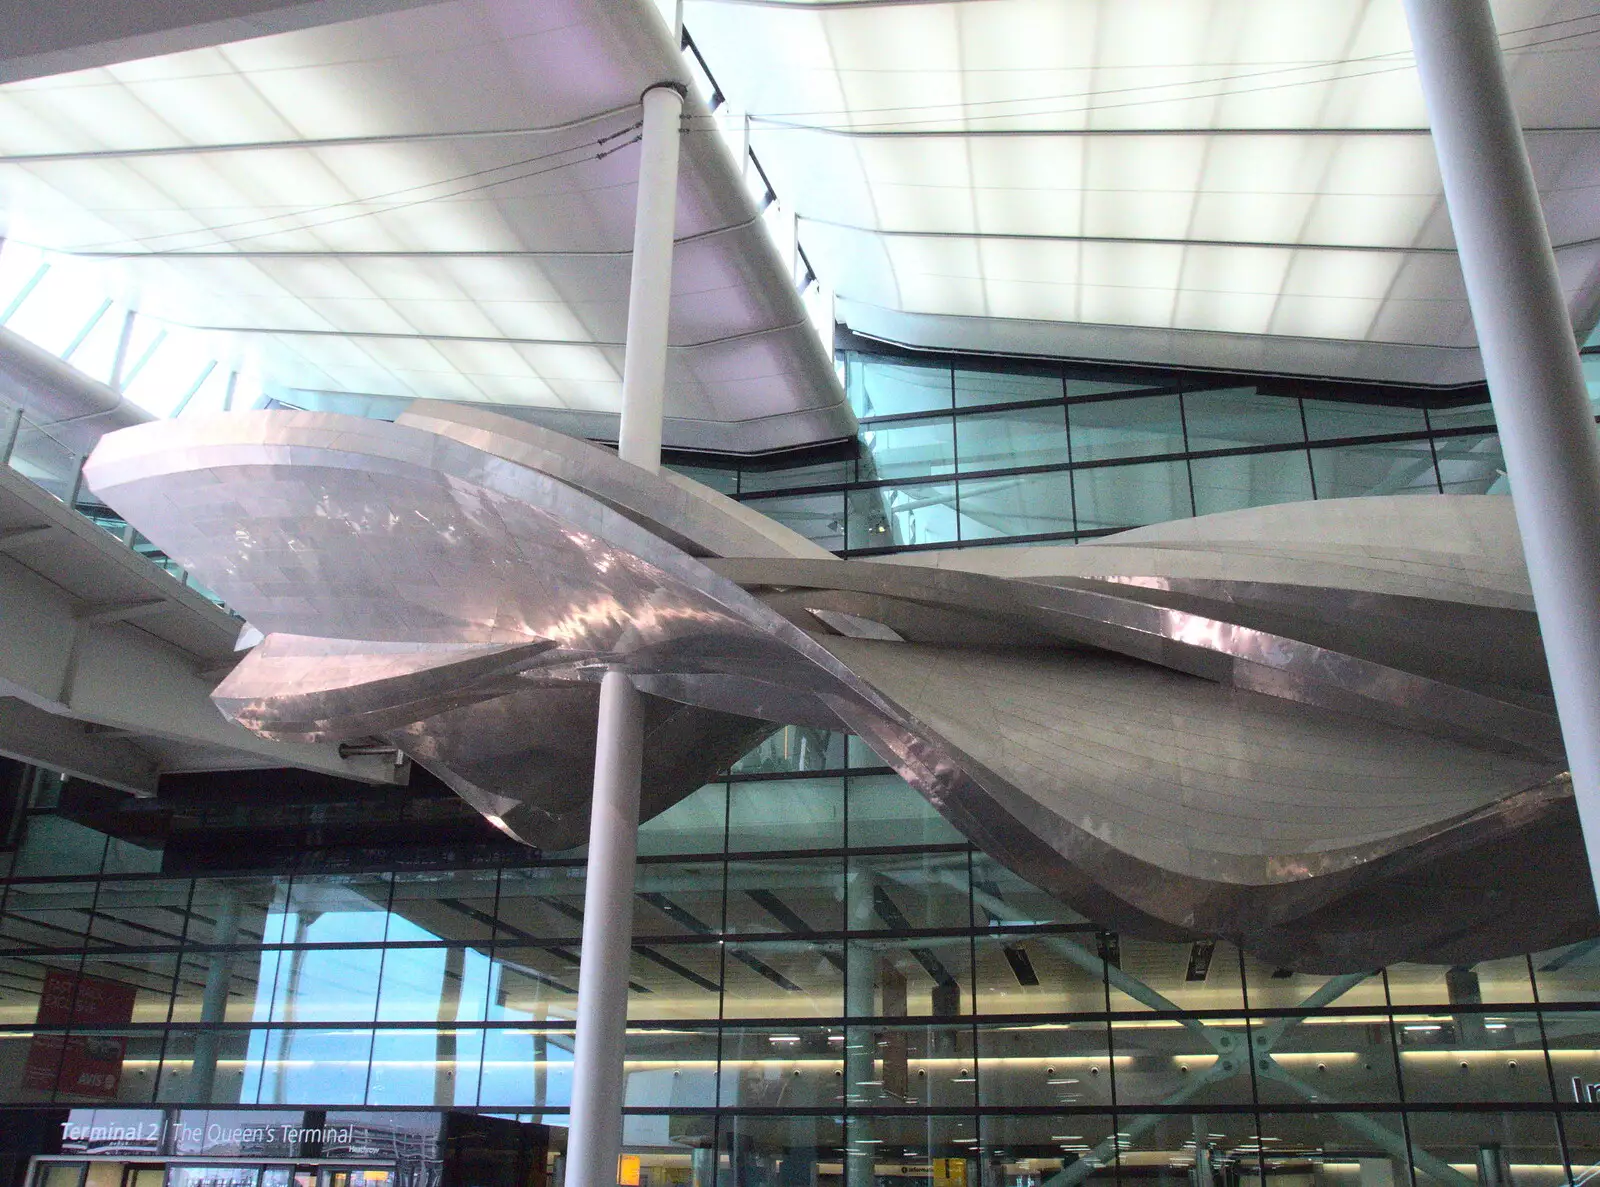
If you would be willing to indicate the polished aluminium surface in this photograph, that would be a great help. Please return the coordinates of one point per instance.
(1312, 727)
(1530, 359)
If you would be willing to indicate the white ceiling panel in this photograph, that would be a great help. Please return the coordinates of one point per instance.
(435, 202)
(1193, 154)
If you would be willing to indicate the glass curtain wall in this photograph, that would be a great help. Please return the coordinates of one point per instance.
(948, 456)
(828, 985)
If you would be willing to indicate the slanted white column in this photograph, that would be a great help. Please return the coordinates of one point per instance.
(594, 1136)
(1530, 358)
(644, 364)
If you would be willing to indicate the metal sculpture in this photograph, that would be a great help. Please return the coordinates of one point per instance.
(1322, 729)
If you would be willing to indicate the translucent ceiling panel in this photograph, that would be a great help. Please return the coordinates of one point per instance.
(1320, 140)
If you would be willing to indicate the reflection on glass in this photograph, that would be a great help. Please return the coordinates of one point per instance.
(723, 481)
(1061, 1064)
(1460, 418)
(892, 516)
(1064, 1150)
(1131, 496)
(795, 748)
(677, 899)
(311, 1067)
(783, 979)
(908, 449)
(780, 1149)
(880, 388)
(819, 518)
(785, 895)
(204, 1067)
(1229, 418)
(441, 985)
(792, 814)
(1488, 981)
(1018, 505)
(1347, 1057)
(1391, 468)
(326, 985)
(886, 810)
(1144, 425)
(782, 1067)
(788, 477)
(974, 389)
(539, 902)
(1472, 465)
(675, 980)
(1168, 1062)
(1331, 419)
(426, 1067)
(529, 1068)
(1473, 1055)
(894, 977)
(693, 825)
(1508, 1148)
(1250, 480)
(1007, 440)
(911, 890)
(443, 905)
(1155, 975)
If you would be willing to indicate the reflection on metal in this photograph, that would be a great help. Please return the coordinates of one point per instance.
(1324, 729)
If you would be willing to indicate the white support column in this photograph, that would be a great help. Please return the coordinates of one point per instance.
(1530, 359)
(644, 364)
(594, 1136)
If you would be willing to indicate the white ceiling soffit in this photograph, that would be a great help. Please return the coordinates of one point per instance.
(429, 202)
(1235, 183)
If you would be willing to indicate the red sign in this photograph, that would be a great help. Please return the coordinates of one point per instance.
(79, 1065)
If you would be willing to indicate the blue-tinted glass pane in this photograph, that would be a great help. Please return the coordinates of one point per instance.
(892, 515)
(527, 1070)
(1393, 468)
(795, 748)
(1125, 428)
(914, 449)
(725, 481)
(1228, 417)
(1471, 465)
(433, 984)
(1460, 418)
(1021, 505)
(888, 389)
(816, 517)
(1591, 376)
(885, 810)
(336, 909)
(1001, 440)
(321, 1067)
(1131, 496)
(326, 984)
(1082, 383)
(786, 814)
(528, 982)
(425, 1067)
(693, 825)
(1251, 480)
(976, 388)
(788, 477)
(1329, 419)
